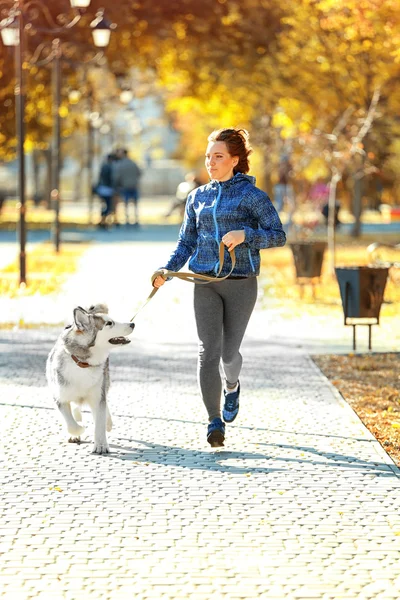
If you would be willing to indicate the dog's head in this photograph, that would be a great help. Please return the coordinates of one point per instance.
(95, 327)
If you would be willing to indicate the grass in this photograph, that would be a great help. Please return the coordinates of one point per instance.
(46, 270)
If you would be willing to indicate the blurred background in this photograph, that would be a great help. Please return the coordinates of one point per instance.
(315, 82)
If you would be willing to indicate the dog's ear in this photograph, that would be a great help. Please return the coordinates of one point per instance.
(81, 318)
(98, 308)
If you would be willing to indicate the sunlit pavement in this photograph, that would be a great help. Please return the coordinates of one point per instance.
(301, 503)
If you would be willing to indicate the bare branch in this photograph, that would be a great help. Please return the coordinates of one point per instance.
(369, 119)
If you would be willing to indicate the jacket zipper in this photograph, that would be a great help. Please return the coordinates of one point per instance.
(216, 224)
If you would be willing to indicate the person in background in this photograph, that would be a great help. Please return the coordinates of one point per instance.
(127, 178)
(283, 190)
(231, 209)
(182, 192)
(105, 190)
(325, 212)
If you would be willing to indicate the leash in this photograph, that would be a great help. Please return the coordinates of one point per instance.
(191, 277)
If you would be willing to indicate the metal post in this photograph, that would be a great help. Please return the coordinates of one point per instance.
(55, 160)
(20, 130)
(346, 302)
(90, 153)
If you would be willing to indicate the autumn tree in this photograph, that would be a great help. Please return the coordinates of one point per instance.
(288, 71)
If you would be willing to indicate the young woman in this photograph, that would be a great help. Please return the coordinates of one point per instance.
(229, 208)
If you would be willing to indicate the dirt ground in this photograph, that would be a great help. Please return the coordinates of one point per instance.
(371, 386)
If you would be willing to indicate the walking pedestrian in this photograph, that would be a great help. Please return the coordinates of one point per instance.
(232, 209)
(105, 190)
(182, 192)
(127, 176)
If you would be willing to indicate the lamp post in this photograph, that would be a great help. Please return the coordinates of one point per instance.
(100, 41)
(12, 33)
(101, 31)
(56, 145)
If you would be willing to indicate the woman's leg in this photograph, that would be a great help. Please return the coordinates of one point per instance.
(222, 312)
(208, 309)
(239, 297)
(103, 215)
(103, 206)
(125, 195)
(108, 206)
(135, 198)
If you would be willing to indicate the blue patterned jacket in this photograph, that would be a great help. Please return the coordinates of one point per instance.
(216, 208)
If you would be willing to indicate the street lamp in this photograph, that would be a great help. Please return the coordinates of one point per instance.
(12, 30)
(80, 3)
(101, 30)
(12, 35)
(56, 161)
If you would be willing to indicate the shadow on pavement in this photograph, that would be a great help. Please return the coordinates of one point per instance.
(214, 460)
(139, 451)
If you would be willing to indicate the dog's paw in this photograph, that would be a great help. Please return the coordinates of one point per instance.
(74, 440)
(76, 431)
(101, 448)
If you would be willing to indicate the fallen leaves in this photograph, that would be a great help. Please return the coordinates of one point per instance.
(370, 384)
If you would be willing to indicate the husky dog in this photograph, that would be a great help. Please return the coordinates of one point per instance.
(77, 370)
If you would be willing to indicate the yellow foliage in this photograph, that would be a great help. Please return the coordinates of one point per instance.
(316, 169)
(180, 30)
(63, 111)
(281, 121)
(28, 145)
(47, 271)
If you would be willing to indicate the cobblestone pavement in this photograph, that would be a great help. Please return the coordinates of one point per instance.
(301, 503)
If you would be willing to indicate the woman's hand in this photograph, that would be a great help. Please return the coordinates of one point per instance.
(234, 238)
(159, 281)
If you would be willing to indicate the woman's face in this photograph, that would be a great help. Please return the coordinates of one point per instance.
(219, 163)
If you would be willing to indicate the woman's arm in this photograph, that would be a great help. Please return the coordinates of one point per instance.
(269, 233)
(187, 239)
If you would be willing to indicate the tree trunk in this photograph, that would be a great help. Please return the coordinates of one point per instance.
(358, 179)
(336, 177)
(47, 191)
(36, 178)
(357, 203)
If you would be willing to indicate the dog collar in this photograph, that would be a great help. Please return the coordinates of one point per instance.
(83, 365)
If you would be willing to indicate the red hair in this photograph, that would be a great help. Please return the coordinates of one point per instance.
(237, 142)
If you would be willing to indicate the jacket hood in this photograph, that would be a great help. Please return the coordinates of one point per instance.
(238, 177)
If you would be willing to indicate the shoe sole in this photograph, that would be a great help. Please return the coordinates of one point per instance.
(216, 439)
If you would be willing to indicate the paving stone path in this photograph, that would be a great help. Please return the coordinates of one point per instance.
(302, 502)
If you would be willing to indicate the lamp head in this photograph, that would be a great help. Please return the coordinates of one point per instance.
(79, 3)
(10, 31)
(101, 30)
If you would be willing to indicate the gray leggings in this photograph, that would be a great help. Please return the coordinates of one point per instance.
(222, 311)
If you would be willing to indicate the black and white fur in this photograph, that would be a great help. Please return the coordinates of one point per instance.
(89, 339)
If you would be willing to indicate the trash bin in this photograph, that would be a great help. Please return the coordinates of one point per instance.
(361, 290)
(308, 258)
